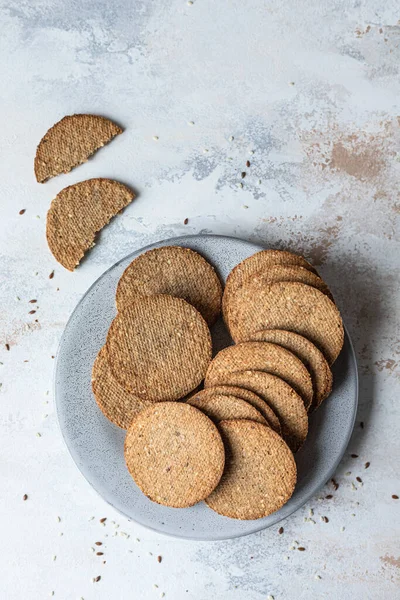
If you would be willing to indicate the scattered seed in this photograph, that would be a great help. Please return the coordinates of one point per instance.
(240, 184)
(342, 529)
(335, 484)
(96, 579)
(318, 577)
(32, 301)
(359, 479)
(291, 82)
(325, 519)
(92, 550)
(353, 514)
(7, 346)
(311, 512)
(362, 424)
(347, 473)
(54, 557)
(99, 553)
(243, 174)
(205, 150)
(270, 597)
(61, 534)
(190, 3)
(22, 211)
(59, 519)
(91, 519)
(353, 487)
(38, 434)
(301, 548)
(155, 138)
(395, 497)
(162, 594)
(25, 497)
(329, 496)
(354, 455)
(247, 163)
(155, 585)
(51, 275)
(103, 520)
(51, 594)
(231, 138)
(138, 539)
(259, 182)
(150, 553)
(159, 558)
(186, 221)
(31, 312)
(245, 206)
(251, 152)
(280, 530)
(98, 543)
(191, 123)
(366, 465)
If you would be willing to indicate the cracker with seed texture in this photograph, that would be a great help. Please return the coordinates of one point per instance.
(309, 354)
(70, 142)
(159, 348)
(176, 271)
(220, 407)
(260, 472)
(277, 273)
(174, 454)
(252, 398)
(286, 404)
(258, 262)
(263, 356)
(291, 306)
(118, 405)
(80, 211)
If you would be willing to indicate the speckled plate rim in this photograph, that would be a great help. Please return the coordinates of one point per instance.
(254, 526)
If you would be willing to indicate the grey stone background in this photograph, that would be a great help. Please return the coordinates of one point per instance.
(309, 92)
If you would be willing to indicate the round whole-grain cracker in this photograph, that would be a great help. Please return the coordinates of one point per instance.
(159, 348)
(262, 356)
(220, 407)
(78, 212)
(260, 472)
(253, 399)
(258, 262)
(176, 271)
(118, 405)
(308, 353)
(292, 306)
(286, 404)
(174, 454)
(70, 142)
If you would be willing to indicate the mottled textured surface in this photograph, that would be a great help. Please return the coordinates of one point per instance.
(313, 89)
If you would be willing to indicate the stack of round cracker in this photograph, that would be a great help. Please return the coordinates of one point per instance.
(231, 443)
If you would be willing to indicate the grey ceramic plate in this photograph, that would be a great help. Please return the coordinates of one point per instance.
(96, 445)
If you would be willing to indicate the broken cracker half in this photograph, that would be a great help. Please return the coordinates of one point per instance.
(70, 142)
(78, 212)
